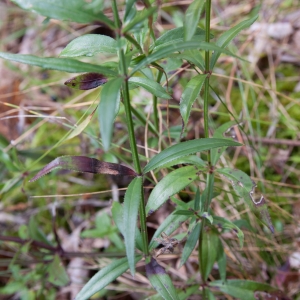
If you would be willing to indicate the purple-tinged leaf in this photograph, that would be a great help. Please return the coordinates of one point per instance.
(86, 81)
(160, 280)
(86, 165)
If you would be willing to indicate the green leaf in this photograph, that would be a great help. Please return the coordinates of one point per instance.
(131, 207)
(183, 295)
(207, 216)
(194, 57)
(228, 36)
(241, 289)
(208, 251)
(104, 277)
(210, 295)
(89, 45)
(197, 200)
(219, 133)
(169, 225)
(170, 185)
(222, 260)
(57, 273)
(160, 280)
(85, 165)
(71, 10)
(184, 149)
(189, 160)
(110, 97)
(60, 64)
(176, 35)
(245, 187)
(190, 244)
(117, 214)
(191, 18)
(150, 85)
(139, 17)
(175, 47)
(130, 10)
(189, 95)
(229, 225)
(183, 212)
(36, 233)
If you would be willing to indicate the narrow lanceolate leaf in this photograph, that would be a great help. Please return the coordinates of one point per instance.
(86, 165)
(131, 207)
(89, 45)
(220, 133)
(139, 17)
(222, 261)
(104, 277)
(86, 81)
(170, 185)
(229, 225)
(208, 252)
(169, 225)
(228, 36)
(110, 98)
(190, 244)
(193, 57)
(189, 95)
(191, 18)
(129, 7)
(118, 214)
(60, 64)
(176, 35)
(151, 86)
(160, 280)
(168, 49)
(68, 10)
(245, 187)
(184, 149)
(241, 289)
(188, 160)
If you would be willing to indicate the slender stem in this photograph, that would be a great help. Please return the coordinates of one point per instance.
(210, 175)
(206, 84)
(155, 111)
(132, 140)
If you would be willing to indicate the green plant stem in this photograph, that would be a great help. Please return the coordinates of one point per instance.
(210, 175)
(155, 111)
(206, 86)
(132, 140)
